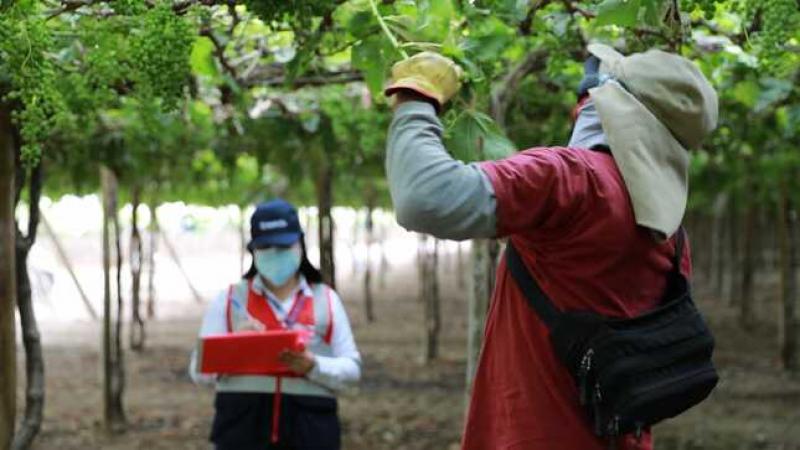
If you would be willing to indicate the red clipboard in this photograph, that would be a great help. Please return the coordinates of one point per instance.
(248, 353)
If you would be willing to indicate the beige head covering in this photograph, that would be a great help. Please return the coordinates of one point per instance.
(654, 107)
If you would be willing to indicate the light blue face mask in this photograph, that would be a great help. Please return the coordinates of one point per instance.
(277, 265)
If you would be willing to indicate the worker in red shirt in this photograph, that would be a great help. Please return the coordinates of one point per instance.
(592, 222)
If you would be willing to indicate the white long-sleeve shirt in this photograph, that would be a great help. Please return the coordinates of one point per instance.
(333, 372)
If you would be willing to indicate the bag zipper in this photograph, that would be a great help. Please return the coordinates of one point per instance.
(583, 374)
(596, 400)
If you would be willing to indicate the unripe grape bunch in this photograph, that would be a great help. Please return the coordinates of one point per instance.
(160, 55)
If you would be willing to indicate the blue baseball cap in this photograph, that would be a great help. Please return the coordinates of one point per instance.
(274, 223)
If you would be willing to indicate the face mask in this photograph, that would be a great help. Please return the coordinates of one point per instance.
(277, 265)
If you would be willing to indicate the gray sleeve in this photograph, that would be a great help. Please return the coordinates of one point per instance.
(432, 192)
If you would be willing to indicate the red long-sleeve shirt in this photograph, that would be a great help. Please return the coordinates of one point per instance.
(569, 215)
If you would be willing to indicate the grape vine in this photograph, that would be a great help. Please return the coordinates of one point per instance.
(781, 19)
(160, 55)
(300, 12)
(31, 87)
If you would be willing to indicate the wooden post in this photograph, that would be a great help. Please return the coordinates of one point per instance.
(31, 338)
(460, 279)
(325, 172)
(429, 293)
(747, 319)
(734, 263)
(326, 227)
(384, 266)
(789, 241)
(137, 334)
(8, 289)
(113, 375)
(717, 272)
(369, 240)
(153, 232)
(484, 255)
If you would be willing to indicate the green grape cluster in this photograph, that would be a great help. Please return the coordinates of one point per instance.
(780, 19)
(103, 63)
(296, 11)
(31, 81)
(160, 55)
(129, 7)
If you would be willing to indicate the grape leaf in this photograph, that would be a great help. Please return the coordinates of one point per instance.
(202, 58)
(372, 58)
(618, 12)
(474, 136)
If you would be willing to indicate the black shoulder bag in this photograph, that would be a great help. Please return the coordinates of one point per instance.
(630, 373)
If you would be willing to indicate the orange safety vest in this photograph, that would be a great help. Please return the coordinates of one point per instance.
(302, 315)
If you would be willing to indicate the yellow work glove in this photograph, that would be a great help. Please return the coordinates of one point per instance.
(429, 74)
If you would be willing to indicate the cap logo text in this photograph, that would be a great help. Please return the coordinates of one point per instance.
(272, 224)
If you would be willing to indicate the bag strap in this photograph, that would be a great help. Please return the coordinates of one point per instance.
(537, 299)
(680, 237)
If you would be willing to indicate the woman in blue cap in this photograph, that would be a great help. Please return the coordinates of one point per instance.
(282, 290)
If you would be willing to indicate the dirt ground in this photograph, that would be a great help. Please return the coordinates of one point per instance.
(400, 403)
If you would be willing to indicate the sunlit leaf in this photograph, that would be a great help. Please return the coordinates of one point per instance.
(202, 58)
(618, 12)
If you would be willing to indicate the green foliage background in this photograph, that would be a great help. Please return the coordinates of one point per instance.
(214, 103)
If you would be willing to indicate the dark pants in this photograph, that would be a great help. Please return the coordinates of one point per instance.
(243, 421)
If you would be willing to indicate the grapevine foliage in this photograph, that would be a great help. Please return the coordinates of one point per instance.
(32, 78)
(707, 7)
(124, 78)
(299, 13)
(160, 55)
(781, 23)
(130, 7)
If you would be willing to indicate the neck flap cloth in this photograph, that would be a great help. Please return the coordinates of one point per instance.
(654, 106)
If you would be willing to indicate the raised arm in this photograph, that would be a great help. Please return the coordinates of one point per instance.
(432, 192)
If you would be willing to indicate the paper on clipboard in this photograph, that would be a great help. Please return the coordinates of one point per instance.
(248, 353)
